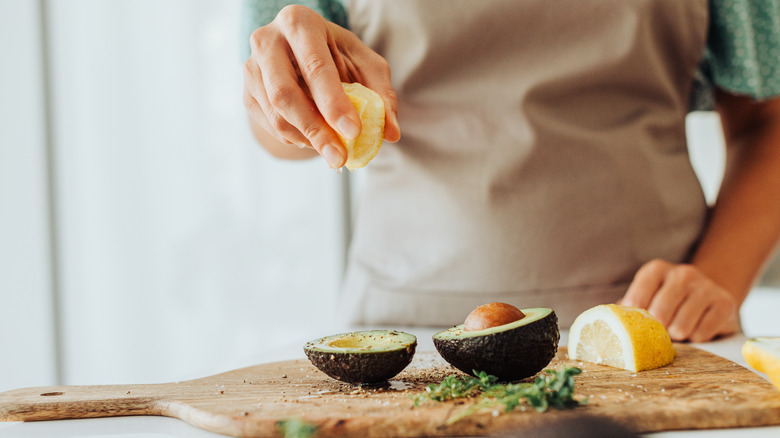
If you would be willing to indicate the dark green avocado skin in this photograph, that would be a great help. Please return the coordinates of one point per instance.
(362, 368)
(509, 355)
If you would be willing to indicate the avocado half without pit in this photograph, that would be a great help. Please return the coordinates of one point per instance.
(364, 357)
(501, 340)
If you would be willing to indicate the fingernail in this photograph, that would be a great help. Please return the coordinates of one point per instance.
(332, 156)
(348, 128)
(394, 123)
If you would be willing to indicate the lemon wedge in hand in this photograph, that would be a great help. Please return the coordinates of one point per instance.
(371, 109)
(763, 354)
(620, 336)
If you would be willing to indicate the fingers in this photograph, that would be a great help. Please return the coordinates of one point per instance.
(722, 318)
(707, 311)
(314, 57)
(380, 82)
(315, 54)
(374, 73)
(288, 110)
(704, 316)
(679, 284)
(263, 113)
(688, 303)
(287, 104)
(687, 317)
(646, 283)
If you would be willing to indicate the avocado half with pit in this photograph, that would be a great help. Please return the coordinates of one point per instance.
(364, 357)
(510, 351)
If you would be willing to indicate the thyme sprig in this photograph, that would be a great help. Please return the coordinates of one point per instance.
(553, 388)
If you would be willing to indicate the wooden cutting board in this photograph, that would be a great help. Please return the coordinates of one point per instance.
(698, 391)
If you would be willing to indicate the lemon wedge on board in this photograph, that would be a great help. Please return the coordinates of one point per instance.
(371, 109)
(622, 337)
(763, 354)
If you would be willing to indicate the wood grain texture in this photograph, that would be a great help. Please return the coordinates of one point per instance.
(698, 391)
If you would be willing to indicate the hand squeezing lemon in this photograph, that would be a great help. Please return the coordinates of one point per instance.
(371, 109)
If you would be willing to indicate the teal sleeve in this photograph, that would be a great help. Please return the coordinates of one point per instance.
(257, 13)
(743, 51)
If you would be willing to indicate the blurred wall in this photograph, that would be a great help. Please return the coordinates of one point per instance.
(27, 328)
(182, 248)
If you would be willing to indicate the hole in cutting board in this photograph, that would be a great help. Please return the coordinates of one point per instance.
(49, 394)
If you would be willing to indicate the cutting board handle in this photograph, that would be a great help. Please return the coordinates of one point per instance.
(63, 402)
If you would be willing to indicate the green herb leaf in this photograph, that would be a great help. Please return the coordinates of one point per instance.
(296, 428)
(553, 388)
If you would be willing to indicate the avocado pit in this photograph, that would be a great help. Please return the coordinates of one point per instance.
(492, 315)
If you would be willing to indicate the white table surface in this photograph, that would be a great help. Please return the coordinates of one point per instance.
(760, 310)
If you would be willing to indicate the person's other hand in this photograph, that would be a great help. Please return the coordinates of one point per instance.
(292, 82)
(687, 302)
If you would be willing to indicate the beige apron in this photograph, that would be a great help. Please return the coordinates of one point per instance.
(543, 157)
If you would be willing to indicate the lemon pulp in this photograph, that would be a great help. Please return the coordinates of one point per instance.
(371, 109)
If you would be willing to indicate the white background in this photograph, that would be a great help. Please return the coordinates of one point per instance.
(144, 237)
